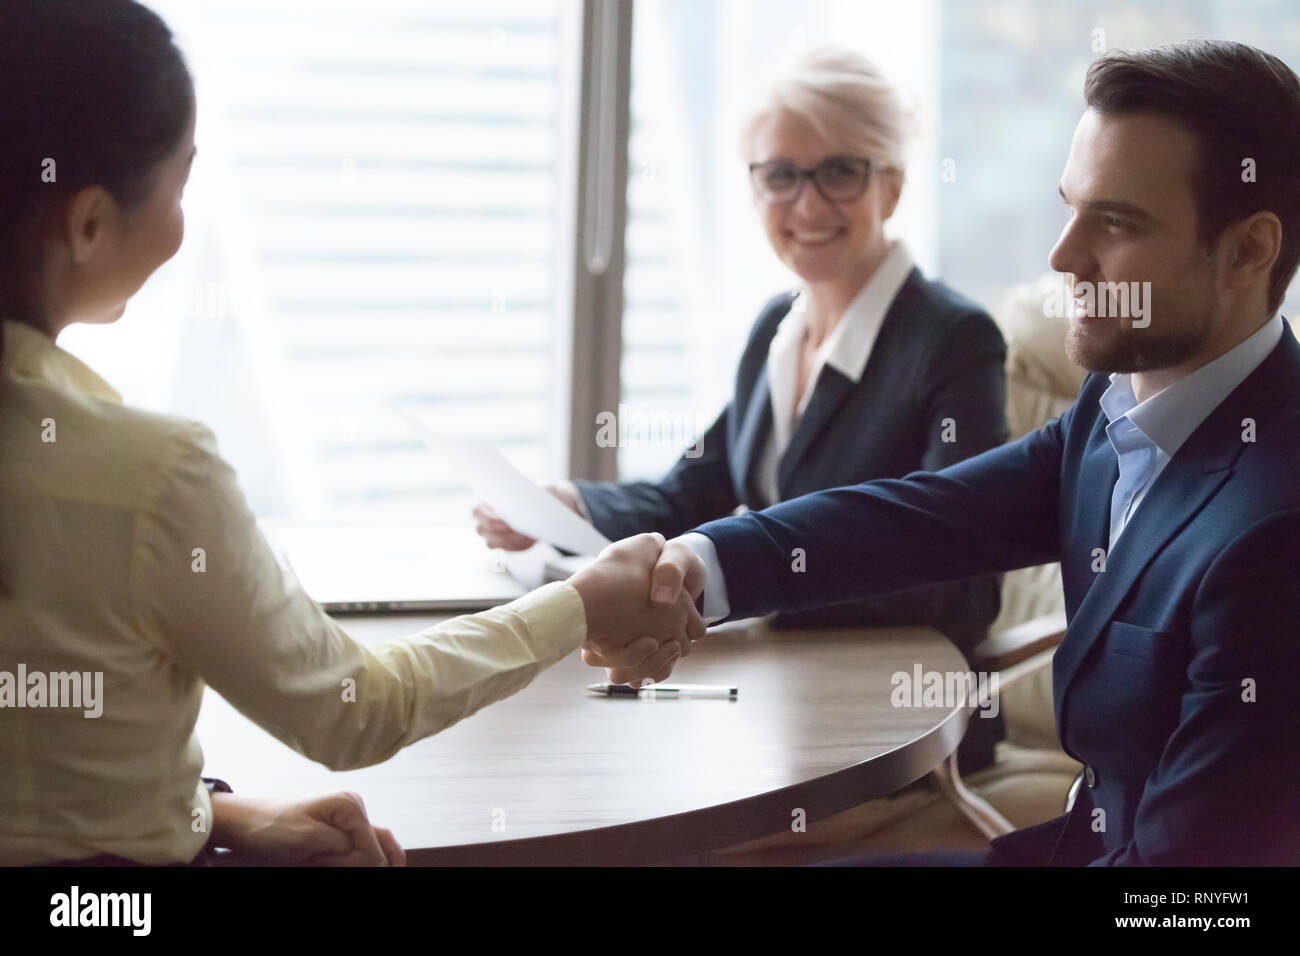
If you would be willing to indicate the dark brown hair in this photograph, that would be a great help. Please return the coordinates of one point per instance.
(99, 87)
(1240, 103)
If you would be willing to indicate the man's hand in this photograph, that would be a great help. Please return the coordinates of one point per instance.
(640, 621)
(322, 831)
(676, 581)
(678, 568)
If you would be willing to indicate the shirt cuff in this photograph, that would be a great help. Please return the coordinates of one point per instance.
(555, 617)
(716, 606)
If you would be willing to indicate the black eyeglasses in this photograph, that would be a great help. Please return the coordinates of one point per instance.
(837, 178)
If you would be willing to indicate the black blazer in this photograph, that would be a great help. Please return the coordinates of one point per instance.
(937, 356)
(1175, 684)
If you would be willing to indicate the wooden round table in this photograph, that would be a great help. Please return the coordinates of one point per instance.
(557, 775)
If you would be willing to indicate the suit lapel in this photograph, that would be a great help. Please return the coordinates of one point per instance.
(1098, 472)
(1180, 491)
(1191, 479)
(832, 388)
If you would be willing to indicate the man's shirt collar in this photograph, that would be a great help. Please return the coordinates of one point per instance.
(1169, 417)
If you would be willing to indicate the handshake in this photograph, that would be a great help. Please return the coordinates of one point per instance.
(640, 596)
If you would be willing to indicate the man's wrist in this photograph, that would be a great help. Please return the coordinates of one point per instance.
(713, 604)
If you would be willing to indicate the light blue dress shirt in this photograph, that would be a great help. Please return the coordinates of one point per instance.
(1145, 437)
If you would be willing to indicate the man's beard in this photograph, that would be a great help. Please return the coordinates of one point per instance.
(1137, 350)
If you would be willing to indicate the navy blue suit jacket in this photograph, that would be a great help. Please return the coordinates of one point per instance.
(1177, 683)
(937, 356)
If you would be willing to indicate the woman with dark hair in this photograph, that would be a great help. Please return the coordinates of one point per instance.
(133, 571)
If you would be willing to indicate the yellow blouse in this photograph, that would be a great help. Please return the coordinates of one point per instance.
(102, 510)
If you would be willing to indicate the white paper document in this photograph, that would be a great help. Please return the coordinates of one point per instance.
(523, 505)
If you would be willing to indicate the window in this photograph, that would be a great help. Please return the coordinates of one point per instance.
(383, 211)
(1011, 94)
(699, 268)
(998, 88)
(376, 216)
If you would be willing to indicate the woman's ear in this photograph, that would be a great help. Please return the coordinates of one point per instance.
(90, 221)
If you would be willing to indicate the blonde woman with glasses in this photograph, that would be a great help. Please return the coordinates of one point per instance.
(866, 370)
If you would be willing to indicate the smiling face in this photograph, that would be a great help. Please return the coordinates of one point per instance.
(819, 240)
(1129, 188)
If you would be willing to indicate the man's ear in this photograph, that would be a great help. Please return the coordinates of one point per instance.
(90, 220)
(1256, 242)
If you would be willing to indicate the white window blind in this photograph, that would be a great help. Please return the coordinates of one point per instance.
(699, 266)
(661, 371)
(376, 217)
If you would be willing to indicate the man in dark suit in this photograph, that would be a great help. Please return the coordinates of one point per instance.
(1170, 491)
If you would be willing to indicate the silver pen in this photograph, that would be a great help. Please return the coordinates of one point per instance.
(716, 691)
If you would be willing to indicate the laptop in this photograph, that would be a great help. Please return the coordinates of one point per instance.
(373, 568)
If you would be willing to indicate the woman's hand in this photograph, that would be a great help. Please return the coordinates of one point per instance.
(677, 578)
(321, 831)
(497, 534)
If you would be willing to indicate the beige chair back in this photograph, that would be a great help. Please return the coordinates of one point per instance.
(1041, 384)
